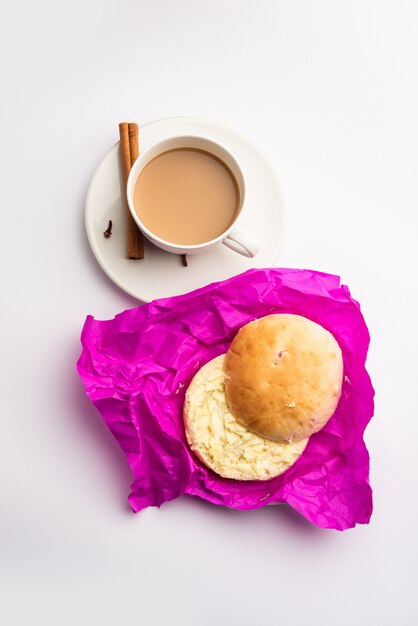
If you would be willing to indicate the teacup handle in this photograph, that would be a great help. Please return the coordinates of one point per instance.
(239, 240)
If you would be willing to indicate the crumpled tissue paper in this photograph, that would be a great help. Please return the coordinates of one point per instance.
(137, 366)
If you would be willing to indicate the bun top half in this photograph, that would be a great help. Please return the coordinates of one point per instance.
(283, 377)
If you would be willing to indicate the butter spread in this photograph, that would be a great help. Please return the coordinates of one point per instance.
(220, 442)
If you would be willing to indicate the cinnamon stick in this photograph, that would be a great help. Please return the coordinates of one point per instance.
(133, 141)
(134, 237)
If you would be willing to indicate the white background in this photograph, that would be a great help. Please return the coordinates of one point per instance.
(329, 91)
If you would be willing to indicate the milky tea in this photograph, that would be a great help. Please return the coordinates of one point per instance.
(186, 196)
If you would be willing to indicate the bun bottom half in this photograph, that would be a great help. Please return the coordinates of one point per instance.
(220, 442)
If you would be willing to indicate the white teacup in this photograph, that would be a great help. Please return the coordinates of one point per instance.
(234, 236)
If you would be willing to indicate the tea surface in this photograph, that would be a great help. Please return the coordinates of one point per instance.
(186, 196)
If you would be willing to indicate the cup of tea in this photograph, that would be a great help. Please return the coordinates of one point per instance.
(187, 195)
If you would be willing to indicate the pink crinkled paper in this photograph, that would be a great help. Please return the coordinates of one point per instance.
(137, 366)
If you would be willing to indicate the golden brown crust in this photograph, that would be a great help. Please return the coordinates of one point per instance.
(283, 377)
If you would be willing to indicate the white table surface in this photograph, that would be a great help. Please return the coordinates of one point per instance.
(329, 91)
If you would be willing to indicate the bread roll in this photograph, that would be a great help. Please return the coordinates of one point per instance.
(220, 441)
(283, 377)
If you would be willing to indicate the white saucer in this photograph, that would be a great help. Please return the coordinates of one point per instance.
(161, 274)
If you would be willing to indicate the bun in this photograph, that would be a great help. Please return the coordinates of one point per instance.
(283, 377)
(220, 442)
